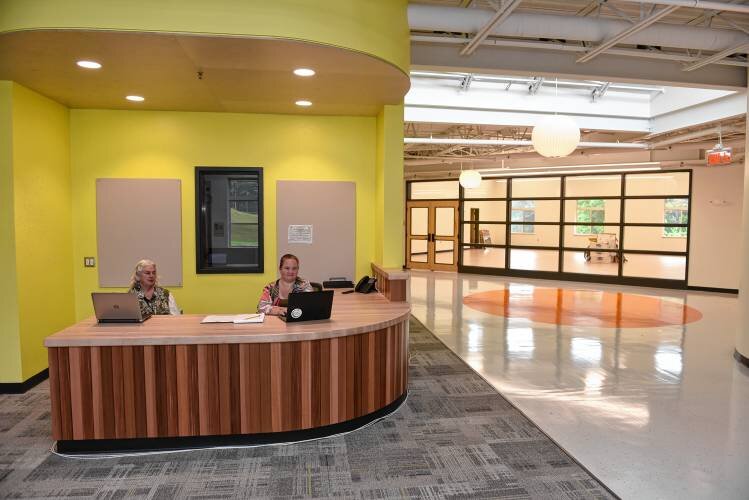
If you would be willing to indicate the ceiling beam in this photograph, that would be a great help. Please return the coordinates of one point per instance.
(698, 134)
(567, 47)
(717, 57)
(588, 8)
(639, 26)
(618, 12)
(510, 61)
(728, 107)
(525, 118)
(697, 4)
(516, 142)
(498, 18)
(732, 24)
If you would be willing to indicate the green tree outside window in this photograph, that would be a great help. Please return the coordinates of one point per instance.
(675, 211)
(590, 211)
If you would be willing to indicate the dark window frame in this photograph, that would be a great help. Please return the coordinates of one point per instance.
(560, 273)
(201, 239)
(594, 227)
(523, 224)
(682, 213)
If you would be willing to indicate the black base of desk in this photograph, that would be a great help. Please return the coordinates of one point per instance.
(205, 442)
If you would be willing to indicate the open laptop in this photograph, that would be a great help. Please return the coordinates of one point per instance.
(117, 308)
(308, 306)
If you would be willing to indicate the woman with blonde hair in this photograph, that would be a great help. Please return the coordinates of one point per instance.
(152, 298)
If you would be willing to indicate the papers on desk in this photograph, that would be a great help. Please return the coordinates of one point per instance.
(237, 319)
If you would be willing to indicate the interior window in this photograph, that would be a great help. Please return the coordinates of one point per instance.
(523, 211)
(229, 220)
(590, 211)
(675, 211)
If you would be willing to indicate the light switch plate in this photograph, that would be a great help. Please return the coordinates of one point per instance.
(89, 262)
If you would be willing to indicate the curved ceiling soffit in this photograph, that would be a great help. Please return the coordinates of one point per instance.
(379, 29)
(232, 73)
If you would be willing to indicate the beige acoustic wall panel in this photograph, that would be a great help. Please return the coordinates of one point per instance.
(138, 219)
(316, 221)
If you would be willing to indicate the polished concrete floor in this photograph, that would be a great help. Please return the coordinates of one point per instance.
(653, 412)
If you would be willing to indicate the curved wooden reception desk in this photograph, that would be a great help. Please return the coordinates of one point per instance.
(173, 381)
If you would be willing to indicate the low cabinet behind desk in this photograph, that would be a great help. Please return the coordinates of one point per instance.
(172, 381)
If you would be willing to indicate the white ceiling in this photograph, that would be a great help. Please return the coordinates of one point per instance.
(620, 40)
(502, 65)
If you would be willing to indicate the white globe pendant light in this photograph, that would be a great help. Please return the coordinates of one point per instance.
(555, 135)
(469, 179)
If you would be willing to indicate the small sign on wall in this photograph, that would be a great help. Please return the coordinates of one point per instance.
(301, 233)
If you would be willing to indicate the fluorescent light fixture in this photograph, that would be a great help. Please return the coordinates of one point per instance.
(304, 72)
(135, 98)
(89, 64)
(303, 103)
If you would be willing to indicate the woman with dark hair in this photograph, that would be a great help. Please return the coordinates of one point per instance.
(275, 293)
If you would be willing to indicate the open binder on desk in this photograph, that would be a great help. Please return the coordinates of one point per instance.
(237, 319)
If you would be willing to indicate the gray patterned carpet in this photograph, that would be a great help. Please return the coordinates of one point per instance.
(455, 437)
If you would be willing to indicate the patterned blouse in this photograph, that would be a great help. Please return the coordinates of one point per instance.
(271, 295)
(158, 304)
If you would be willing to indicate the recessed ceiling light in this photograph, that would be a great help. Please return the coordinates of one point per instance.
(304, 72)
(135, 98)
(304, 103)
(89, 64)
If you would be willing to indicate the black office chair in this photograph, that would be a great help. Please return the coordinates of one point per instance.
(316, 287)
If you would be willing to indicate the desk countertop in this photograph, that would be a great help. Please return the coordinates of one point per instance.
(352, 314)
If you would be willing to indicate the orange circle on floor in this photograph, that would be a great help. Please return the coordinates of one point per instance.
(583, 307)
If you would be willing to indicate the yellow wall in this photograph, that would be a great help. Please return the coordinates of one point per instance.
(390, 208)
(10, 342)
(146, 144)
(41, 234)
(376, 27)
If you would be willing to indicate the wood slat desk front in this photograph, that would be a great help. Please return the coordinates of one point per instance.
(174, 377)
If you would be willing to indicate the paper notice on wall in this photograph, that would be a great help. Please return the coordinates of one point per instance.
(301, 233)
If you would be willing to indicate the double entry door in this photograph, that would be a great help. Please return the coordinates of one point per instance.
(432, 237)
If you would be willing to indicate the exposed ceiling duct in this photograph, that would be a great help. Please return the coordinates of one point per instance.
(431, 18)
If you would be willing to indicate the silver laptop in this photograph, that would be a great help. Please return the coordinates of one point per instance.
(117, 308)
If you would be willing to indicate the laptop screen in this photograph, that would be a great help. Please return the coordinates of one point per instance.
(308, 306)
(117, 308)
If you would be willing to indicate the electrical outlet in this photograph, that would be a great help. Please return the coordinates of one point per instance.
(89, 262)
